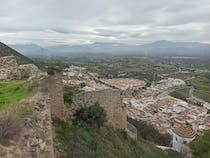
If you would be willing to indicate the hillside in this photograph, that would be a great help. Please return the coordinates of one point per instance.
(75, 141)
(7, 51)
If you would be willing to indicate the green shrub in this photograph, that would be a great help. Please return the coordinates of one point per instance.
(93, 115)
(54, 68)
(50, 71)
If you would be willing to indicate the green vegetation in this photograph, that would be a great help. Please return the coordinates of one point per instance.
(180, 93)
(135, 67)
(201, 84)
(12, 92)
(74, 140)
(69, 91)
(93, 115)
(51, 69)
(118, 66)
(148, 132)
(200, 146)
(82, 139)
(204, 95)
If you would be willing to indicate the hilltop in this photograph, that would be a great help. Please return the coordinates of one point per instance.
(8, 51)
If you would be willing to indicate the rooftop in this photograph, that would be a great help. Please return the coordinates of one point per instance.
(185, 131)
(124, 83)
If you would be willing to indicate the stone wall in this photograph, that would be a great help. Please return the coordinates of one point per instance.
(35, 139)
(109, 99)
(28, 70)
(9, 68)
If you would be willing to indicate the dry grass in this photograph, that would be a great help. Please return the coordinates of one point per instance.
(10, 126)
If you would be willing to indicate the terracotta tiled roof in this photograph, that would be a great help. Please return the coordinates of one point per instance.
(124, 83)
(185, 131)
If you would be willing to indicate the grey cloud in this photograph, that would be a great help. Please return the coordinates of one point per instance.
(128, 21)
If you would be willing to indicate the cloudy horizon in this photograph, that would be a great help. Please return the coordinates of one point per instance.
(52, 22)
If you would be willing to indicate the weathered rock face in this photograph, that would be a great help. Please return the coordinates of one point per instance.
(9, 68)
(28, 70)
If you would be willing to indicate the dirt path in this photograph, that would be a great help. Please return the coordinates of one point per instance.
(56, 97)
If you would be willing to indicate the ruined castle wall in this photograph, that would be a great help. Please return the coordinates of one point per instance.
(35, 138)
(9, 68)
(109, 99)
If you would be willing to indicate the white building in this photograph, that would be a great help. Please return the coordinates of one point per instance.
(182, 135)
(206, 105)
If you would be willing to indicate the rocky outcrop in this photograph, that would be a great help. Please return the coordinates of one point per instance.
(9, 68)
(28, 70)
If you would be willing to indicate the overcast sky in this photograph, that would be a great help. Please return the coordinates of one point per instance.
(49, 22)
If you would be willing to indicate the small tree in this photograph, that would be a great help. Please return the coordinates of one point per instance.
(93, 115)
(52, 69)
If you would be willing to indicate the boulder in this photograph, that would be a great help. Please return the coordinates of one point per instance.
(28, 70)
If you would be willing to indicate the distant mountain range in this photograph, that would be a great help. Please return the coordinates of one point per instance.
(151, 49)
(7, 51)
(29, 49)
